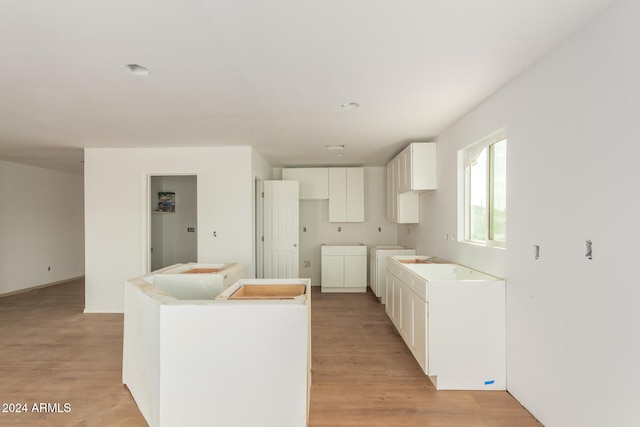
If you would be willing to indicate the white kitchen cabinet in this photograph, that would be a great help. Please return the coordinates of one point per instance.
(392, 190)
(355, 269)
(418, 167)
(408, 208)
(388, 308)
(346, 194)
(407, 309)
(397, 298)
(410, 172)
(378, 267)
(314, 182)
(332, 270)
(414, 320)
(452, 319)
(343, 268)
(419, 329)
(406, 313)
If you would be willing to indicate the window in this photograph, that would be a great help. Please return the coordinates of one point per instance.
(485, 191)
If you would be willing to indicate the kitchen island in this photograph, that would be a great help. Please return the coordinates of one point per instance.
(219, 361)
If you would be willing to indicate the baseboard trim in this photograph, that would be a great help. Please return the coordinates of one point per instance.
(46, 285)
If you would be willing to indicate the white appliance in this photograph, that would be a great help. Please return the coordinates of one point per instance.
(378, 267)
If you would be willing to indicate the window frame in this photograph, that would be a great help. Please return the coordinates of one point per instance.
(466, 158)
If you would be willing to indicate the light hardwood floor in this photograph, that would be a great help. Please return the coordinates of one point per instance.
(363, 374)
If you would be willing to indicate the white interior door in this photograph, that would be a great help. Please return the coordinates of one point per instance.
(281, 218)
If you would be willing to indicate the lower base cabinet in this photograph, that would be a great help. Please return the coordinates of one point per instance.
(408, 312)
(343, 268)
(454, 327)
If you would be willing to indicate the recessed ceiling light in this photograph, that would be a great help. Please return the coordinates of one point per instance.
(335, 147)
(137, 70)
(350, 105)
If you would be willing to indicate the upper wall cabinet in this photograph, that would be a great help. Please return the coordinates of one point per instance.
(314, 182)
(346, 194)
(417, 167)
(411, 171)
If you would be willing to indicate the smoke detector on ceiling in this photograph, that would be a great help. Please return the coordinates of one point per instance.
(137, 70)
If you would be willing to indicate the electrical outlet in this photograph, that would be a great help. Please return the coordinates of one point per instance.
(307, 264)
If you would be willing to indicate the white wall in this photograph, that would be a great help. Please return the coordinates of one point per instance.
(314, 215)
(41, 226)
(573, 335)
(261, 168)
(117, 212)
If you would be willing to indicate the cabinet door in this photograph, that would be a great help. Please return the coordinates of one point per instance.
(419, 333)
(392, 191)
(355, 271)
(297, 174)
(332, 271)
(389, 294)
(404, 170)
(355, 194)
(397, 307)
(317, 183)
(346, 194)
(406, 314)
(422, 166)
(373, 275)
(314, 182)
(337, 195)
(408, 208)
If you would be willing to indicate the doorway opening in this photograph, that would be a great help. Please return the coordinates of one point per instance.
(173, 203)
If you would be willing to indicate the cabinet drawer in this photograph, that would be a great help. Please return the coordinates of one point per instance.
(332, 250)
(355, 250)
(402, 274)
(394, 267)
(418, 285)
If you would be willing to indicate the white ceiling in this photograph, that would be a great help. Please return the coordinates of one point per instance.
(271, 74)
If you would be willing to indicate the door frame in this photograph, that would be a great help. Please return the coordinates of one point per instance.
(259, 228)
(146, 250)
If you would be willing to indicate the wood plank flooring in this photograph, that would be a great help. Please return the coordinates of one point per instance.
(50, 352)
(363, 374)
